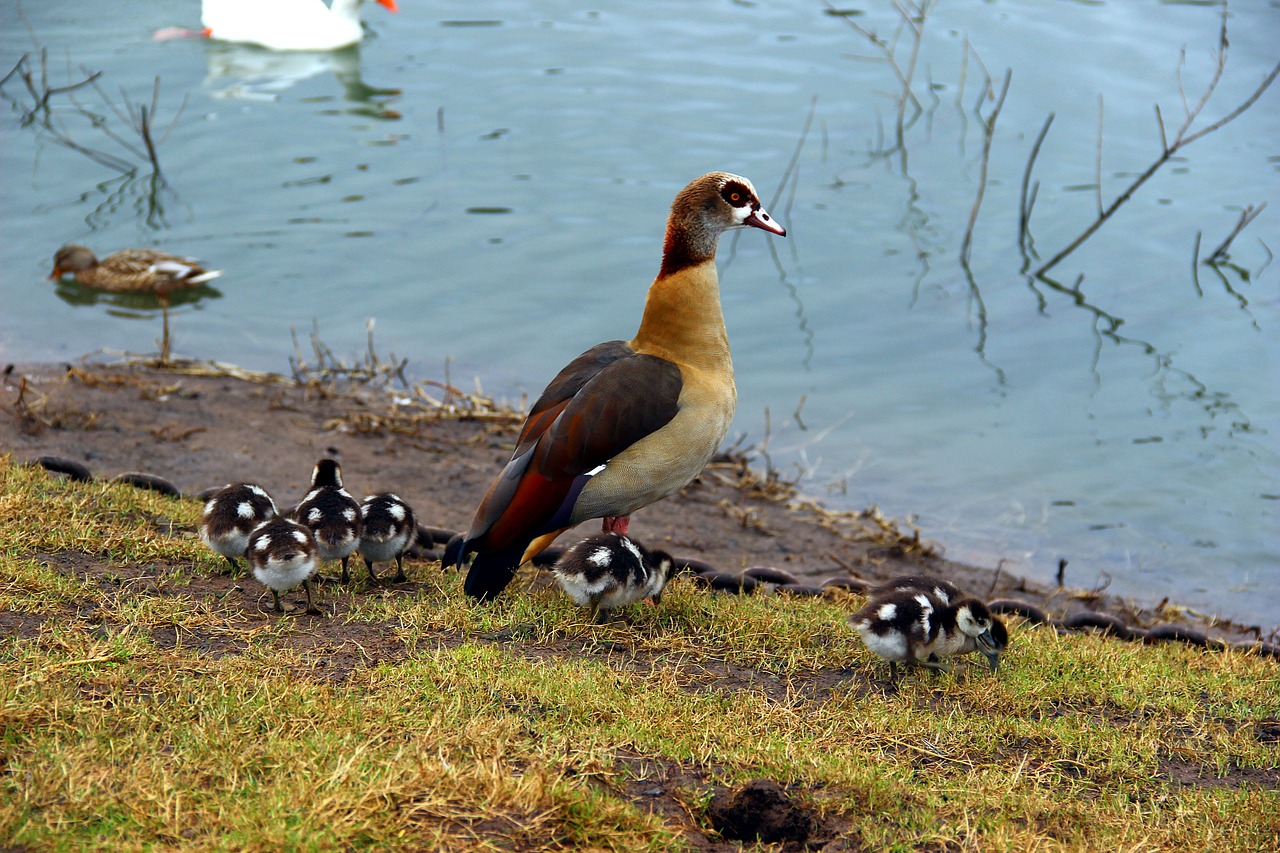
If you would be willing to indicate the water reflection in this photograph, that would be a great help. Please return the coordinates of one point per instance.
(136, 305)
(252, 73)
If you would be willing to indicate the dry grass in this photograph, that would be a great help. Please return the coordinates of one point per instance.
(143, 704)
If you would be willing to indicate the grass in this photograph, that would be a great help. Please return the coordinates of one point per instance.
(144, 704)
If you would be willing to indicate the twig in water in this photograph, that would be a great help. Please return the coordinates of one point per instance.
(1247, 215)
(1181, 139)
(1029, 200)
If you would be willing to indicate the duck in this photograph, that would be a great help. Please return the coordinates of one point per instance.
(133, 271)
(387, 528)
(332, 514)
(287, 24)
(282, 554)
(626, 423)
(230, 514)
(607, 570)
(909, 626)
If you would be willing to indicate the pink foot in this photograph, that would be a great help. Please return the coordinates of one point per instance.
(617, 524)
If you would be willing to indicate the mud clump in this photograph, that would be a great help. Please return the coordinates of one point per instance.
(759, 811)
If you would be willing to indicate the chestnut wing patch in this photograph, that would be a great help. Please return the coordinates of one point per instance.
(626, 400)
(566, 384)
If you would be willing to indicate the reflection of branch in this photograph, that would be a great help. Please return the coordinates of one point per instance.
(1169, 148)
(988, 131)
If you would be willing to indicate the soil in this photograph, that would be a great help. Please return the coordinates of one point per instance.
(203, 431)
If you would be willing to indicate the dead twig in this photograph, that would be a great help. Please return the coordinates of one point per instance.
(1169, 148)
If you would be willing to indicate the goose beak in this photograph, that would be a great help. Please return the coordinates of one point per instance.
(760, 218)
(390, 4)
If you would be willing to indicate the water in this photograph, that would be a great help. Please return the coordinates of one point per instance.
(489, 181)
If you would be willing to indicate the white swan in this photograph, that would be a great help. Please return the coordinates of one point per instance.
(286, 24)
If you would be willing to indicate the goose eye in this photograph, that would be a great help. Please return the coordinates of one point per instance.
(735, 197)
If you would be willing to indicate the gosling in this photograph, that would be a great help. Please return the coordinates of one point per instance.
(607, 570)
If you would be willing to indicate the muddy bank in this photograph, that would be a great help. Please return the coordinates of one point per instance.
(198, 427)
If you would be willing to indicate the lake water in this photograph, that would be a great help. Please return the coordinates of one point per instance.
(490, 181)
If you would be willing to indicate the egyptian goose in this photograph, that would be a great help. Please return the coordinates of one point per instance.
(133, 271)
(608, 570)
(282, 554)
(230, 515)
(332, 514)
(627, 422)
(909, 625)
(387, 528)
(286, 24)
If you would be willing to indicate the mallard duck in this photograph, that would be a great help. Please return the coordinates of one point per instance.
(133, 271)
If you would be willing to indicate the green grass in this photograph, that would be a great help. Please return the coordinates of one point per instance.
(138, 709)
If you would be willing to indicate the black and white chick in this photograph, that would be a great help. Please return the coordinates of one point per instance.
(608, 570)
(387, 528)
(910, 626)
(283, 554)
(944, 593)
(332, 514)
(230, 515)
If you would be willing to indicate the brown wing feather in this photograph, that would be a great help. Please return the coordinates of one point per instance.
(624, 402)
(567, 383)
(629, 398)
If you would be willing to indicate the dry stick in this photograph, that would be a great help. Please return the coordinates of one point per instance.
(1181, 140)
(1027, 202)
(1247, 215)
(1195, 266)
(1097, 161)
(988, 132)
(889, 49)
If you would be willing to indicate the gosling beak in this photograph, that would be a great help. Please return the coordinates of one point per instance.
(987, 645)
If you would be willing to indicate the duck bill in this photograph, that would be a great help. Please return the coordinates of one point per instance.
(390, 5)
(760, 218)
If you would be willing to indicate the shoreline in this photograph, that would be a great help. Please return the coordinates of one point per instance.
(202, 424)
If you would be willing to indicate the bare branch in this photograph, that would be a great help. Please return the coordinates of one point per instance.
(1182, 139)
(989, 131)
(1247, 215)
(1024, 209)
(1097, 176)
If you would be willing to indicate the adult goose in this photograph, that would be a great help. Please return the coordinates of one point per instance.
(286, 24)
(627, 422)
